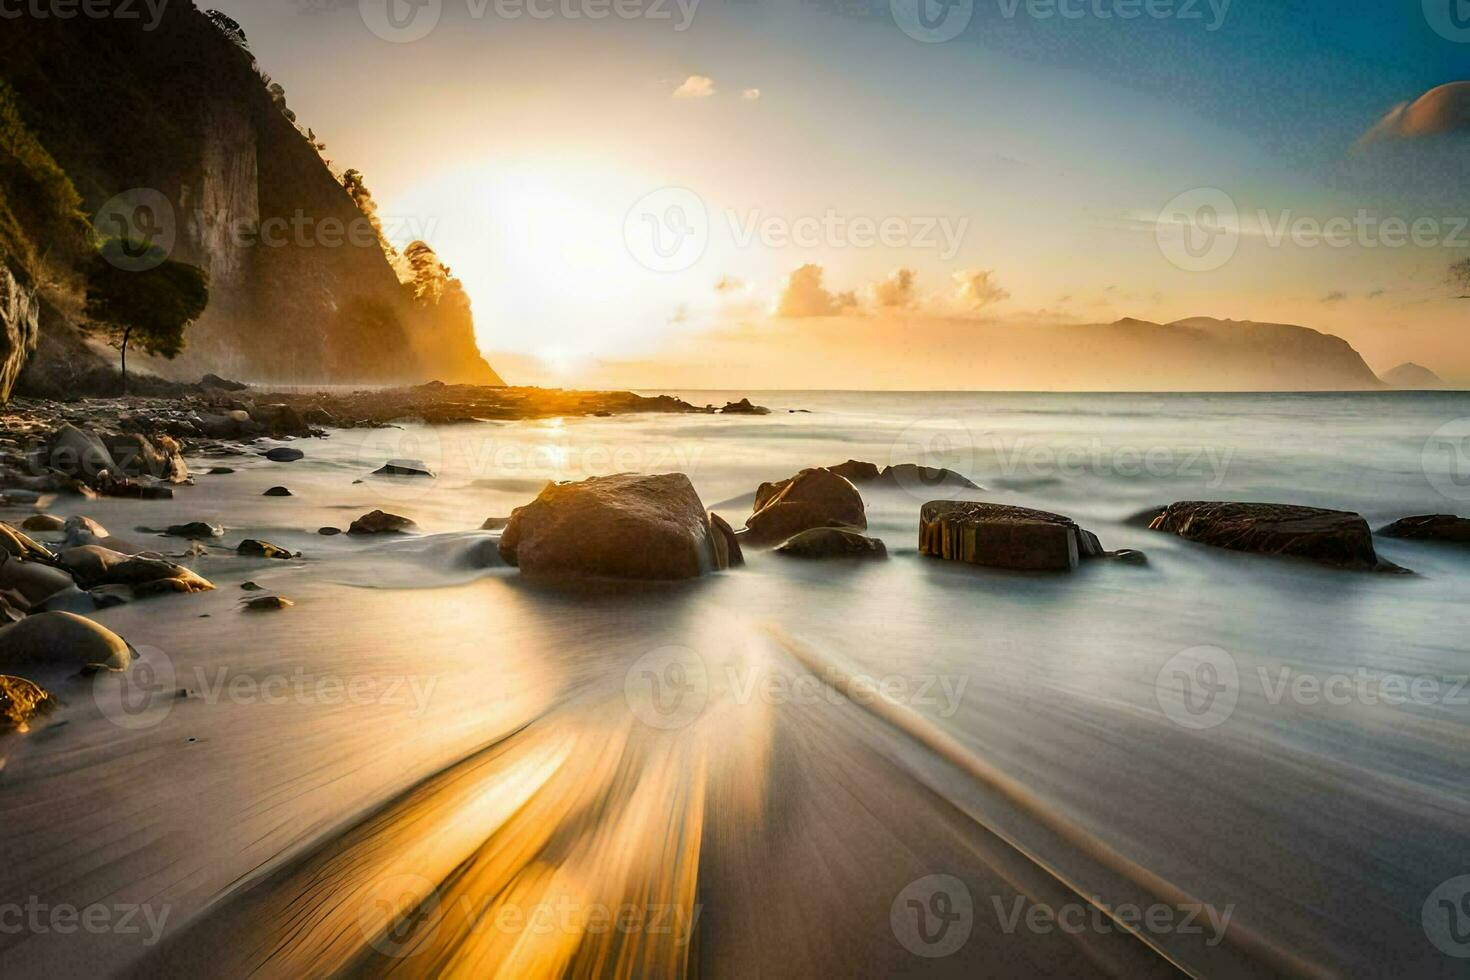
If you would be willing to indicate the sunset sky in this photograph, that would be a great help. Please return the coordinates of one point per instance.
(1016, 173)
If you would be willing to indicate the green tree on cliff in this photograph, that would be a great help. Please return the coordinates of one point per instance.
(138, 297)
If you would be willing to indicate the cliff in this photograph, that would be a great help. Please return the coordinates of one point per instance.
(180, 123)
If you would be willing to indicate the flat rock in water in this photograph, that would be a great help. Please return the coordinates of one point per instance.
(268, 603)
(277, 492)
(329, 532)
(219, 471)
(197, 530)
(21, 701)
(495, 524)
(1003, 536)
(62, 639)
(832, 542)
(404, 467)
(628, 526)
(284, 454)
(252, 548)
(43, 522)
(379, 522)
(93, 565)
(1434, 527)
(1329, 537)
(812, 498)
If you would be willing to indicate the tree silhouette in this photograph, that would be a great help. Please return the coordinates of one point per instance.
(148, 307)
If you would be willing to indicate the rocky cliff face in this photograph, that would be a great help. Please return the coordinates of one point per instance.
(173, 133)
(20, 312)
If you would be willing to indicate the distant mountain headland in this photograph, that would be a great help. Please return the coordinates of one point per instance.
(174, 135)
(1414, 377)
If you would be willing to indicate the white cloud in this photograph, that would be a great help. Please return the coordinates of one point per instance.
(751, 94)
(696, 87)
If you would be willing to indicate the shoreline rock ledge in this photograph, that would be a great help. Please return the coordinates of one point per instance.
(627, 526)
(1329, 537)
(1004, 536)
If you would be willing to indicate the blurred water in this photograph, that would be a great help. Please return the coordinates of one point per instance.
(1322, 797)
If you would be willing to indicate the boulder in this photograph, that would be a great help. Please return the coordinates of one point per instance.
(404, 467)
(136, 455)
(43, 522)
(32, 581)
(21, 701)
(220, 471)
(1003, 536)
(21, 546)
(282, 420)
(912, 476)
(812, 498)
(832, 542)
(130, 489)
(80, 454)
(727, 543)
(1330, 537)
(284, 454)
(94, 565)
(856, 471)
(62, 639)
(277, 492)
(252, 548)
(329, 532)
(379, 522)
(1435, 527)
(744, 407)
(223, 384)
(495, 524)
(630, 526)
(196, 530)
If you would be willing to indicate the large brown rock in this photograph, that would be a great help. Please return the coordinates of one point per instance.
(1003, 536)
(381, 522)
(1434, 527)
(832, 542)
(160, 457)
(93, 565)
(1331, 537)
(32, 581)
(20, 313)
(631, 526)
(80, 454)
(812, 498)
(62, 639)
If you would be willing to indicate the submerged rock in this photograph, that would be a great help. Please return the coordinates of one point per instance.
(832, 542)
(380, 522)
(21, 701)
(1003, 536)
(329, 532)
(284, 454)
(812, 498)
(62, 639)
(404, 467)
(196, 530)
(277, 492)
(744, 407)
(912, 476)
(495, 524)
(268, 603)
(1329, 537)
(1434, 527)
(631, 526)
(252, 548)
(43, 522)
